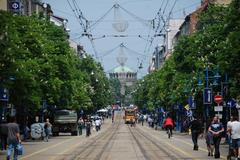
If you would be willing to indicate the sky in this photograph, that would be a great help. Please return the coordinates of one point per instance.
(138, 15)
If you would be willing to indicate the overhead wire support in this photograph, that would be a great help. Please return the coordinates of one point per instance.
(76, 15)
(110, 51)
(135, 52)
(94, 48)
(101, 18)
(134, 16)
(80, 15)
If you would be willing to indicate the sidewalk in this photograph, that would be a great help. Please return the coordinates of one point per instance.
(186, 139)
(56, 145)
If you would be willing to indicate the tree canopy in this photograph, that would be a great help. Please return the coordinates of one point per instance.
(37, 64)
(215, 45)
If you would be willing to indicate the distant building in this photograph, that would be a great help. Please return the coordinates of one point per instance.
(189, 26)
(25, 7)
(125, 75)
(162, 52)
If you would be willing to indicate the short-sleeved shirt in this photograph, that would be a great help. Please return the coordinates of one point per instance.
(216, 127)
(235, 129)
(13, 129)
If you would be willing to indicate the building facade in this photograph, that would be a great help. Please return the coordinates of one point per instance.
(25, 7)
(162, 52)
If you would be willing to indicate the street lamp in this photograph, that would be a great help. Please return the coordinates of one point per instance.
(207, 92)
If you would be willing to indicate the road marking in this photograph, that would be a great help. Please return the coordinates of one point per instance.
(181, 151)
(202, 149)
(42, 150)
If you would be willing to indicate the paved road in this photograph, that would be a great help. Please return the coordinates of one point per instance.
(117, 141)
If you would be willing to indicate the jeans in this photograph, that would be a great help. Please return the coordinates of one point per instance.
(46, 134)
(12, 147)
(195, 139)
(216, 142)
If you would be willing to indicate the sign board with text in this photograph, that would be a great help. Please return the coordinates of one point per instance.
(207, 96)
(218, 108)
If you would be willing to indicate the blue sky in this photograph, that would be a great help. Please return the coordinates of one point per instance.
(139, 46)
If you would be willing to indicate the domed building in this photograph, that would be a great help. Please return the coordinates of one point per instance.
(124, 74)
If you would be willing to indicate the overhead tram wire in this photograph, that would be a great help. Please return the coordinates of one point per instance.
(134, 16)
(94, 48)
(134, 52)
(160, 18)
(110, 51)
(100, 19)
(164, 22)
(76, 15)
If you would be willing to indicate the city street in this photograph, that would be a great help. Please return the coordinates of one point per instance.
(117, 141)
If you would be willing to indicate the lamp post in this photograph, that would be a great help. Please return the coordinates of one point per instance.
(207, 92)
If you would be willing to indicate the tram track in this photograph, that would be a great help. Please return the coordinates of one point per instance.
(139, 137)
(89, 149)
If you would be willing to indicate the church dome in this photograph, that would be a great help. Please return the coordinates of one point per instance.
(123, 69)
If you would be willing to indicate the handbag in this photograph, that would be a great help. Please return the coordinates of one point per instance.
(19, 149)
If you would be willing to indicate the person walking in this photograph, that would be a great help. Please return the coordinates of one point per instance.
(47, 128)
(216, 129)
(234, 129)
(13, 138)
(80, 125)
(88, 127)
(196, 130)
(98, 124)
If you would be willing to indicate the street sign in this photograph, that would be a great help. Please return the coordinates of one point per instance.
(15, 5)
(231, 103)
(207, 96)
(219, 115)
(3, 94)
(218, 108)
(218, 99)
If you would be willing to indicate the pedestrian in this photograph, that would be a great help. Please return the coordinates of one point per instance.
(88, 128)
(196, 130)
(26, 131)
(229, 139)
(209, 140)
(216, 129)
(47, 128)
(142, 119)
(3, 136)
(80, 125)
(234, 129)
(13, 138)
(98, 124)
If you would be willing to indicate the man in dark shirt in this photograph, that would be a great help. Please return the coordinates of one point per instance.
(216, 129)
(13, 138)
(196, 129)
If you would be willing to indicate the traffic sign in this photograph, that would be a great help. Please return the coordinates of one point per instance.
(15, 5)
(207, 96)
(218, 99)
(218, 108)
(3, 94)
(231, 103)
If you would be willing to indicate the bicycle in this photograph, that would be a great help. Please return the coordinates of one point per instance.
(169, 133)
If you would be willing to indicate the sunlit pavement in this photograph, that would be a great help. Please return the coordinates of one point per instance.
(118, 141)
